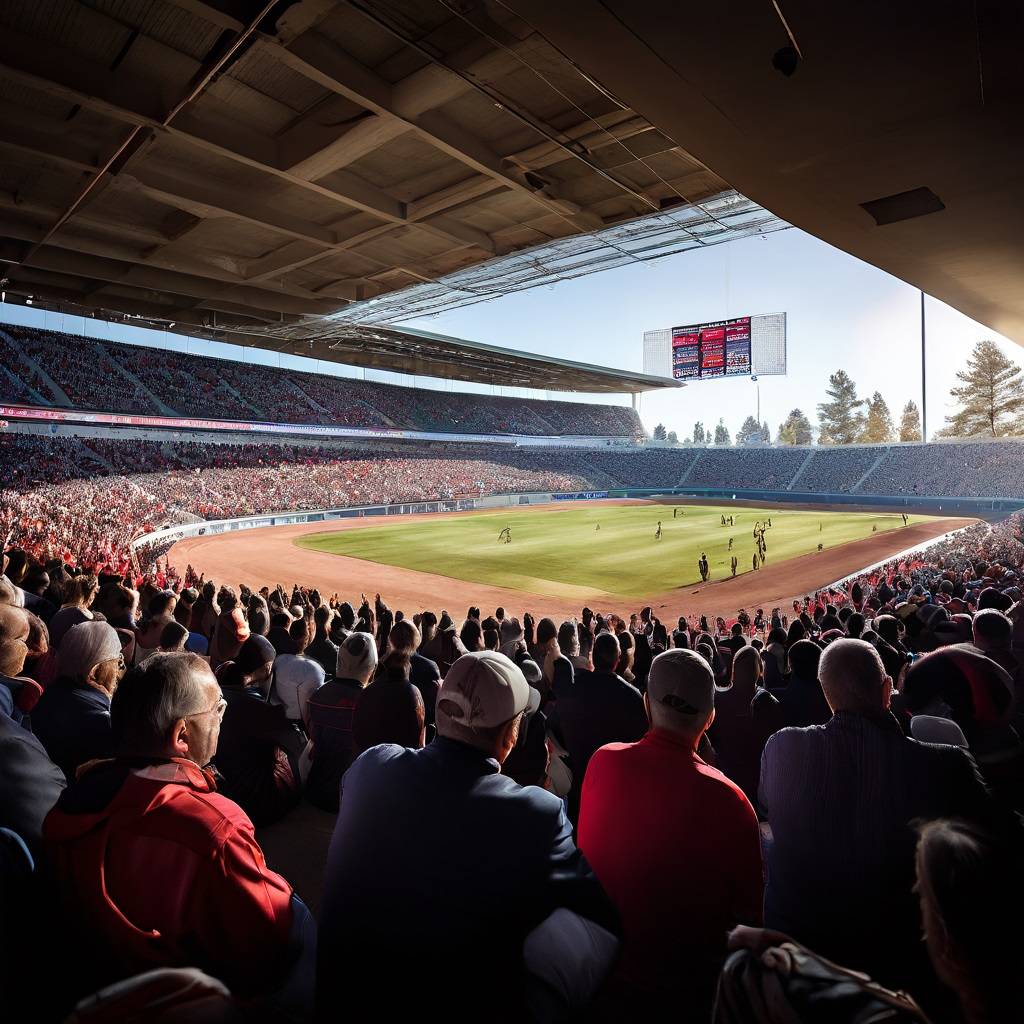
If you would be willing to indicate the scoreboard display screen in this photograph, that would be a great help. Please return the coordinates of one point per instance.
(719, 349)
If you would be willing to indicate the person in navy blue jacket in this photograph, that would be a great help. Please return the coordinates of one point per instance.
(440, 865)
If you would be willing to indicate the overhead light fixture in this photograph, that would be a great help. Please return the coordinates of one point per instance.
(28, 301)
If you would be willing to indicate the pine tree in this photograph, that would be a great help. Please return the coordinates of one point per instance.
(991, 394)
(910, 423)
(659, 432)
(796, 429)
(841, 419)
(878, 429)
(766, 434)
(749, 432)
(699, 437)
(673, 437)
(722, 434)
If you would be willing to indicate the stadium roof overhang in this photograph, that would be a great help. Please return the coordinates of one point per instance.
(438, 355)
(898, 137)
(248, 168)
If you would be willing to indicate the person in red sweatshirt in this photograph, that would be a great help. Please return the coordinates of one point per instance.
(154, 868)
(675, 845)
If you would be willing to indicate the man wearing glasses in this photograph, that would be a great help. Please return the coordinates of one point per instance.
(72, 718)
(158, 868)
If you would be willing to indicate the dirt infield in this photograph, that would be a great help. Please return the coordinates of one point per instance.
(268, 556)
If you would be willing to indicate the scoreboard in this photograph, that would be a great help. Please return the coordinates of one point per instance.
(717, 349)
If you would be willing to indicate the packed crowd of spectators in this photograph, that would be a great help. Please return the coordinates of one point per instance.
(78, 367)
(90, 497)
(85, 369)
(199, 386)
(838, 470)
(614, 816)
(952, 470)
(768, 468)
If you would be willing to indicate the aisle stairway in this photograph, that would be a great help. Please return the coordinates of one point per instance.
(58, 395)
(801, 470)
(116, 367)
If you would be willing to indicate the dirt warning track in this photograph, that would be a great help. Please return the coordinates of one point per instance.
(268, 556)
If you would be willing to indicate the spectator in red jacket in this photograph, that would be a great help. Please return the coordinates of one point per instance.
(674, 843)
(156, 867)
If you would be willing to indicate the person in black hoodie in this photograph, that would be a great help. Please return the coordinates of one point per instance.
(801, 700)
(258, 752)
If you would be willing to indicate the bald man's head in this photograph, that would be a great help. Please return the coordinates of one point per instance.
(853, 677)
(8, 592)
(14, 631)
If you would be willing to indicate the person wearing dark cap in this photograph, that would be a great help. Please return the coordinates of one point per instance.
(653, 814)
(259, 750)
(440, 865)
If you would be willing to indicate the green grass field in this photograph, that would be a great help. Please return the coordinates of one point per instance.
(561, 553)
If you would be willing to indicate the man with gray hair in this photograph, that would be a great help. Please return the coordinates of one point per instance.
(440, 865)
(840, 799)
(72, 718)
(18, 695)
(156, 867)
(675, 844)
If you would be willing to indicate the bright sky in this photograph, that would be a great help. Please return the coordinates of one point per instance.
(842, 313)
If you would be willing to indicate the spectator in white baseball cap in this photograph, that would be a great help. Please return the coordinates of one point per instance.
(482, 700)
(439, 859)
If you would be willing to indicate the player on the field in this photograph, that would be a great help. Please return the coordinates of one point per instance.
(597, 526)
(734, 564)
(657, 533)
(905, 520)
(754, 562)
(505, 535)
(730, 543)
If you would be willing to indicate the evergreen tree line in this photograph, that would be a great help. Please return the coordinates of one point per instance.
(990, 396)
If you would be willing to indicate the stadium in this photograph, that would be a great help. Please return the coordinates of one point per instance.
(271, 544)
